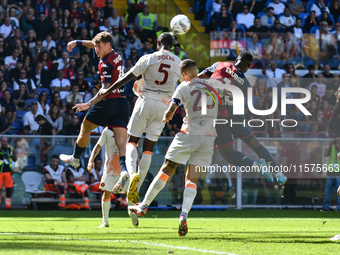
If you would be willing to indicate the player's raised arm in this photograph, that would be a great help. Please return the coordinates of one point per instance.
(86, 43)
(119, 83)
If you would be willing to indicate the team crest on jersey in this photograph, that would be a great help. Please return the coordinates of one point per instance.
(102, 184)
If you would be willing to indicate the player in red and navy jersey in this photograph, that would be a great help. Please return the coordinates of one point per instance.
(224, 142)
(112, 111)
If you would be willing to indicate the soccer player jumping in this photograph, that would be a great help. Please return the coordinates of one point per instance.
(104, 113)
(224, 143)
(194, 142)
(160, 72)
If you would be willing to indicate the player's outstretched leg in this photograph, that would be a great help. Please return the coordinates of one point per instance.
(80, 145)
(262, 152)
(240, 159)
(155, 187)
(106, 205)
(133, 216)
(121, 138)
(137, 180)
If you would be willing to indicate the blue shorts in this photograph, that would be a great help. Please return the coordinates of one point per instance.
(111, 112)
(226, 133)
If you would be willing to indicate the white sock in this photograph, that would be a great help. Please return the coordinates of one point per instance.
(189, 195)
(131, 156)
(155, 187)
(143, 167)
(106, 205)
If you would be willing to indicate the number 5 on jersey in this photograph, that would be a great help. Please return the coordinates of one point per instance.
(162, 69)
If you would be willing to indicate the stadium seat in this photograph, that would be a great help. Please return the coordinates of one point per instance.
(16, 127)
(303, 16)
(10, 89)
(32, 181)
(208, 5)
(313, 29)
(331, 17)
(241, 27)
(269, 1)
(260, 14)
(60, 149)
(39, 90)
(48, 101)
(206, 19)
(90, 80)
(309, 5)
(31, 164)
(196, 6)
(20, 114)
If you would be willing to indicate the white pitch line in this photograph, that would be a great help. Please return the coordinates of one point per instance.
(130, 241)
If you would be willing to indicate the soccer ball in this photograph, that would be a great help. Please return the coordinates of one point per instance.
(180, 24)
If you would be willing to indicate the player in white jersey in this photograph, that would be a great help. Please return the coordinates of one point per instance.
(160, 71)
(111, 172)
(194, 142)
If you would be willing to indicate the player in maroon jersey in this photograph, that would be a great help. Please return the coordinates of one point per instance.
(224, 142)
(112, 111)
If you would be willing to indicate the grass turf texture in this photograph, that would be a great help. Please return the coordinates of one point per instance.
(231, 231)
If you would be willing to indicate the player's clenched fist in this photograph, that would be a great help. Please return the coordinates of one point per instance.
(71, 45)
(167, 116)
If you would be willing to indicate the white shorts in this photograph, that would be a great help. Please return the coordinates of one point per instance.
(108, 182)
(197, 149)
(147, 118)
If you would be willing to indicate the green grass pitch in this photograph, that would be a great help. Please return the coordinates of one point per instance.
(216, 232)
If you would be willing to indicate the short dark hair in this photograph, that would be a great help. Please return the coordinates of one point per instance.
(39, 118)
(311, 67)
(98, 158)
(166, 39)
(55, 156)
(270, 8)
(27, 127)
(246, 55)
(103, 37)
(177, 45)
(8, 110)
(314, 86)
(187, 65)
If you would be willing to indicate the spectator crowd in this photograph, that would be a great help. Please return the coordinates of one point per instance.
(41, 81)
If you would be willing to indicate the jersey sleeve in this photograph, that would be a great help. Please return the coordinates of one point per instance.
(45, 171)
(178, 94)
(102, 139)
(211, 69)
(141, 66)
